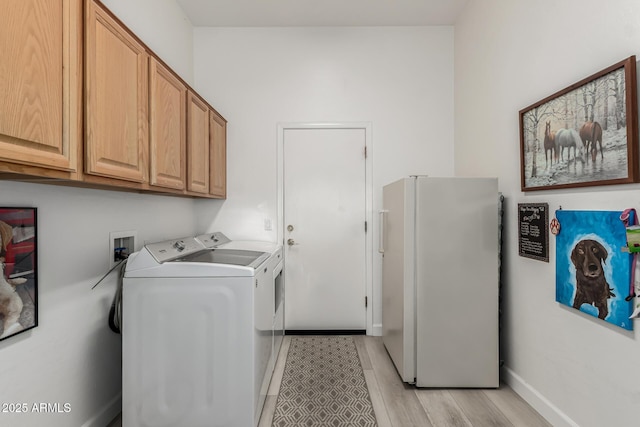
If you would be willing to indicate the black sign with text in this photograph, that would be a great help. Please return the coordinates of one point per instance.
(533, 230)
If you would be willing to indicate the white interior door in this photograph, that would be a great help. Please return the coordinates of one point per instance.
(324, 234)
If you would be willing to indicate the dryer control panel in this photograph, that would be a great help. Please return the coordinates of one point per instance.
(212, 240)
(172, 249)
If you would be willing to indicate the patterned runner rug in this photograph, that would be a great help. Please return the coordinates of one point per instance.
(323, 385)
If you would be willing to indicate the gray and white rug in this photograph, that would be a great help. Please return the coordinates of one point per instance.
(323, 385)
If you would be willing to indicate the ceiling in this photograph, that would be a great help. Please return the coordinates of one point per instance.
(295, 13)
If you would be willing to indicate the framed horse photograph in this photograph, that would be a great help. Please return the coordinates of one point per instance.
(584, 135)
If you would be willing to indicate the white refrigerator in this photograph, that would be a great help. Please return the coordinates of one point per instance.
(440, 281)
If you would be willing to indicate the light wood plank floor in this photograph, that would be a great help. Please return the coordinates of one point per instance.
(397, 404)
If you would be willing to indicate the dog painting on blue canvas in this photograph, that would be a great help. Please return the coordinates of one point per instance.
(592, 270)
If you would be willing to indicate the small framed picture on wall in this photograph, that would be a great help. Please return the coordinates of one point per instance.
(533, 231)
(18, 261)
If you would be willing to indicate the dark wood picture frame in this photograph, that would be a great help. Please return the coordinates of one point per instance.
(596, 120)
(19, 272)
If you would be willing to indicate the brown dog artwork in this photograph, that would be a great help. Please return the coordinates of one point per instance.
(591, 285)
(592, 271)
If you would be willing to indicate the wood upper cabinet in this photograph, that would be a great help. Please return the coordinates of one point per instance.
(168, 127)
(218, 155)
(83, 99)
(197, 144)
(116, 99)
(40, 82)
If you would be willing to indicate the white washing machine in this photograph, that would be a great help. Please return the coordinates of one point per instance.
(274, 269)
(197, 330)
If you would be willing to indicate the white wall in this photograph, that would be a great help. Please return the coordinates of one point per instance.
(72, 356)
(163, 27)
(398, 79)
(575, 369)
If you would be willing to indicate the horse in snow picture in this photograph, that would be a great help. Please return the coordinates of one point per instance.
(591, 133)
(549, 143)
(567, 138)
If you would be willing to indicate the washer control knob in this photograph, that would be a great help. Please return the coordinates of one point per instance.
(179, 245)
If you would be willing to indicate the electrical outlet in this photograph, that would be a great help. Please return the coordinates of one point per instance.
(121, 244)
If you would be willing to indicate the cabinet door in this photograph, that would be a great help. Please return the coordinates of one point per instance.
(197, 144)
(218, 160)
(168, 129)
(116, 103)
(40, 83)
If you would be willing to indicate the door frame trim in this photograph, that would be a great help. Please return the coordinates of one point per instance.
(366, 126)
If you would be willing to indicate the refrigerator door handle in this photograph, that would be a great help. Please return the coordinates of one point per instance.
(381, 237)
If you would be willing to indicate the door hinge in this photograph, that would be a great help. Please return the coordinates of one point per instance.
(365, 151)
(365, 226)
(366, 302)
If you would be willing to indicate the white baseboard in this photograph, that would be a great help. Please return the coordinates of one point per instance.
(533, 397)
(107, 414)
(376, 330)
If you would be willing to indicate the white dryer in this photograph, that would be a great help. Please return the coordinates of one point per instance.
(197, 330)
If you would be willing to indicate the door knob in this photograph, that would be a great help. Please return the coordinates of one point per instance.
(291, 242)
